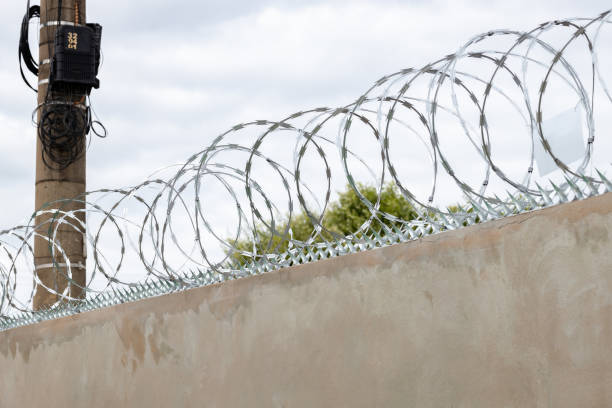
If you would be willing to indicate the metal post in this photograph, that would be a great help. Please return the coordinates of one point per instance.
(53, 184)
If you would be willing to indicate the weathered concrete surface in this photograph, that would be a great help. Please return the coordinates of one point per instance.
(512, 313)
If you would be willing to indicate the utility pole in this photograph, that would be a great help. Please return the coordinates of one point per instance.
(54, 184)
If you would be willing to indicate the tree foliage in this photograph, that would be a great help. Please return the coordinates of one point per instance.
(343, 217)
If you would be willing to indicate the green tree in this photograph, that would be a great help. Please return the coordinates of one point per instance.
(343, 217)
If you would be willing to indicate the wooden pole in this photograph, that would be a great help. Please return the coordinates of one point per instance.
(52, 184)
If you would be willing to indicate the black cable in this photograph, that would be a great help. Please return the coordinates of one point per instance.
(59, 13)
(62, 130)
(102, 132)
(25, 53)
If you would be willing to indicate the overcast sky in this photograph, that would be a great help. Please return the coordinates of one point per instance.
(178, 73)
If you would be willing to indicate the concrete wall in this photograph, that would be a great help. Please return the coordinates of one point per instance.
(512, 313)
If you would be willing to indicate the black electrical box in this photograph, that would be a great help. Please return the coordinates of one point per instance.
(77, 56)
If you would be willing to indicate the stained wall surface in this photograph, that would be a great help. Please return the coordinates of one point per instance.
(511, 313)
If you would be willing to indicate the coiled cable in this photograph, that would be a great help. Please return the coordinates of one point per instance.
(25, 53)
(62, 129)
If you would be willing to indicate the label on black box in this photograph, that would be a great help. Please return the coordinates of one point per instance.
(76, 39)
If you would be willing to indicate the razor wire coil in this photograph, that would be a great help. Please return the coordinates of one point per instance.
(167, 226)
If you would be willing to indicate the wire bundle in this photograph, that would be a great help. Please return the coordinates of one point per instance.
(62, 129)
(25, 53)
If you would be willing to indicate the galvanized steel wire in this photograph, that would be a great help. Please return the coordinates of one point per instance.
(163, 236)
